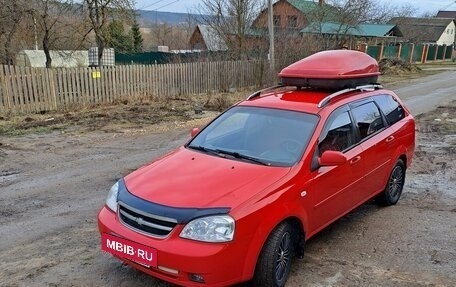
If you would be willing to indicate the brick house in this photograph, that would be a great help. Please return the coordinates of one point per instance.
(295, 14)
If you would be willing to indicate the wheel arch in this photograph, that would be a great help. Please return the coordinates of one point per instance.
(298, 225)
(401, 152)
(255, 248)
(403, 157)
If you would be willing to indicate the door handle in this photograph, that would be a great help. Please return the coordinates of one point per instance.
(355, 160)
(390, 139)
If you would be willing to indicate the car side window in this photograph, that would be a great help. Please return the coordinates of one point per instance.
(392, 110)
(340, 135)
(368, 119)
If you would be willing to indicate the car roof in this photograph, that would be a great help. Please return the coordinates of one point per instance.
(302, 100)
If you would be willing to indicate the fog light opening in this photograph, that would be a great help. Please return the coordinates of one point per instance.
(196, 278)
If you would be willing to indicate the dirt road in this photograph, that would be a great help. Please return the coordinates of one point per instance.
(52, 186)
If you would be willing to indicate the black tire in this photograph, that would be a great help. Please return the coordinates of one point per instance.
(394, 186)
(274, 262)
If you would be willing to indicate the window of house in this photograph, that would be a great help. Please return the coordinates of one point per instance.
(292, 21)
(277, 21)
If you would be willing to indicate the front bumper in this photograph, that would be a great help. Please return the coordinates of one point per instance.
(179, 259)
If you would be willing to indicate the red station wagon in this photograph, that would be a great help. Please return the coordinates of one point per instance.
(240, 199)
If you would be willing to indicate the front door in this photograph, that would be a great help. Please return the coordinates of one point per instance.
(333, 190)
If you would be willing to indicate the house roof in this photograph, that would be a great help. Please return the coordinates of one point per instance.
(212, 39)
(311, 7)
(304, 6)
(361, 30)
(422, 29)
(446, 14)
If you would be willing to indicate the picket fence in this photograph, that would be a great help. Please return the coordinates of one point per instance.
(25, 90)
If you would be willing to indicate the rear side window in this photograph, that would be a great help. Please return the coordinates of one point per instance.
(392, 110)
(368, 119)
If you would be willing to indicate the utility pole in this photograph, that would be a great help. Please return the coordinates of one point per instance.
(271, 36)
(35, 32)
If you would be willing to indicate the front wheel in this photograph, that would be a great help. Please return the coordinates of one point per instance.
(274, 263)
(393, 189)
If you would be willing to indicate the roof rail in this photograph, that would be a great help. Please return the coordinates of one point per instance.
(371, 87)
(258, 93)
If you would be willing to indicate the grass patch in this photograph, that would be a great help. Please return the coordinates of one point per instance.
(125, 114)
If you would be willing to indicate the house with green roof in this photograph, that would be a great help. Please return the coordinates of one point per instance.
(296, 14)
(365, 31)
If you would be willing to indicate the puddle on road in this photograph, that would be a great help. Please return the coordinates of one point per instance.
(433, 167)
(438, 183)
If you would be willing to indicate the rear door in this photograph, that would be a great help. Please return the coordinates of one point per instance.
(377, 142)
(402, 124)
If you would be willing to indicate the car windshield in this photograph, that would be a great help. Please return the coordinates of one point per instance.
(259, 135)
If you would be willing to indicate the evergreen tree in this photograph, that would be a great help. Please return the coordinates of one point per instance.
(137, 38)
(118, 39)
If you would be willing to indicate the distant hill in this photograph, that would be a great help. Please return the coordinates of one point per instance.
(147, 18)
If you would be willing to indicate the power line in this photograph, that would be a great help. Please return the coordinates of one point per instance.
(448, 6)
(150, 5)
(167, 5)
(157, 2)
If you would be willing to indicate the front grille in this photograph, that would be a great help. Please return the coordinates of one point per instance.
(144, 222)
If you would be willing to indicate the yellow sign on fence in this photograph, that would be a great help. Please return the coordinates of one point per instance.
(96, 74)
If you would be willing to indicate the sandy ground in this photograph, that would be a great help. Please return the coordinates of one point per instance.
(52, 186)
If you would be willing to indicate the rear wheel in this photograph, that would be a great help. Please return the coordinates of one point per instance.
(274, 263)
(393, 190)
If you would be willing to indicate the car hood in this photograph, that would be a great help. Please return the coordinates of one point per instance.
(187, 178)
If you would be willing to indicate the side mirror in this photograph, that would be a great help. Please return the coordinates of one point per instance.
(332, 158)
(194, 132)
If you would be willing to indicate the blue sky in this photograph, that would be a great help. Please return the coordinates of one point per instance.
(191, 5)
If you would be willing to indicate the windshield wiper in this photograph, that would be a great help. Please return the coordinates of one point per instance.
(222, 153)
(201, 148)
(207, 150)
(242, 156)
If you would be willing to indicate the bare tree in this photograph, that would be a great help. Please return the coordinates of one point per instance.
(346, 16)
(56, 24)
(12, 14)
(231, 19)
(99, 13)
(370, 11)
(51, 16)
(162, 34)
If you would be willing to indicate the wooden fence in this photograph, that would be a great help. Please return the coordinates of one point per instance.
(24, 90)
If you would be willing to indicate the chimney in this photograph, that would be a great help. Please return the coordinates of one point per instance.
(321, 2)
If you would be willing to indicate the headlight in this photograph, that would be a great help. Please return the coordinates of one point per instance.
(218, 228)
(111, 201)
